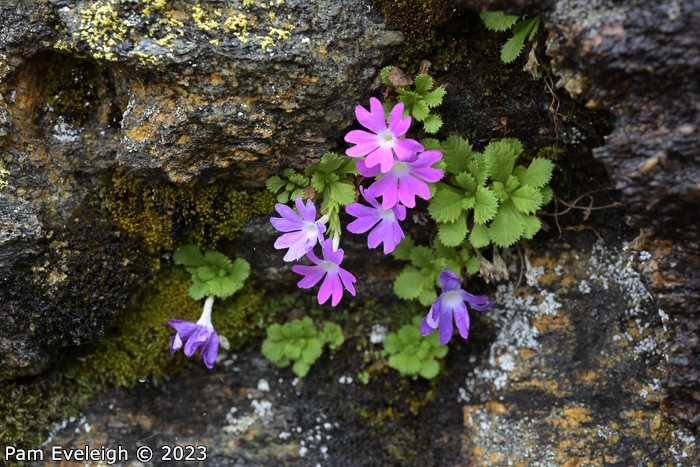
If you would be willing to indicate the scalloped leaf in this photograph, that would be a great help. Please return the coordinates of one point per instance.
(507, 227)
(432, 123)
(456, 152)
(446, 205)
(527, 199)
(498, 21)
(189, 255)
(486, 206)
(538, 173)
(453, 233)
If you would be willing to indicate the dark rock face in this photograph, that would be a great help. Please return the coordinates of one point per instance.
(641, 60)
(173, 92)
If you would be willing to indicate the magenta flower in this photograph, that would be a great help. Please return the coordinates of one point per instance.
(303, 229)
(452, 302)
(383, 142)
(388, 231)
(200, 335)
(405, 180)
(335, 277)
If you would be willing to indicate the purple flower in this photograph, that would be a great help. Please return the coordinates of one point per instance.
(336, 277)
(452, 302)
(405, 180)
(303, 229)
(388, 231)
(200, 335)
(383, 142)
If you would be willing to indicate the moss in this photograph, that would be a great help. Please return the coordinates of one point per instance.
(71, 87)
(164, 215)
(420, 22)
(31, 406)
(137, 347)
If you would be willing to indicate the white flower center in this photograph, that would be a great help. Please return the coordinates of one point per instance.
(451, 299)
(309, 229)
(329, 267)
(386, 139)
(400, 169)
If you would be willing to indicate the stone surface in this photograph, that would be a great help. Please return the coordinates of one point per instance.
(565, 369)
(173, 92)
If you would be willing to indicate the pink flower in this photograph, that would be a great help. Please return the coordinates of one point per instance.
(452, 303)
(388, 231)
(405, 180)
(303, 229)
(335, 277)
(381, 145)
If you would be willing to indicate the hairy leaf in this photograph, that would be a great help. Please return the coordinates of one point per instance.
(432, 123)
(446, 205)
(507, 227)
(527, 199)
(486, 205)
(434, 98)
(498, 21)
(189, 255)
(538, 173)
(423, 83)
(452, 233)
(479, 236)
(456, 152)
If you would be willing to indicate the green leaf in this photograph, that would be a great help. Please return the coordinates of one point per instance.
(205, 273)
(538, 173)
(439, 351)
(292, 350)
(532, 225)
(515, 44)
(452, 233)
(427, 297)
(403, 249)
(189, 255)
(499, 159)
(275, 184)
(479, 236)
(473, 265)
(446, 205)
(422, 257)
(222, 287)
(383, 75)
(240, 271)
(498, 21)
(507, 227)
(434, 98)
(466, 181)
(420, 110)
(485, 207)
(423, 83)
(410, 283)
(274, 332)
(274, 352)
(392, 344)
(456, 152)
(432, 123)
(547, 194)
(430, 144)
(407, 365)
(333, 334)
(512, 184)
(527, 199)
(218, 260)
(429, 369)
(300, 368)
(343, 192)
(198, 290)
(313, 350)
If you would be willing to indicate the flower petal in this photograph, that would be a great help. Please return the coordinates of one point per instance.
(446, 327)
(312, 275)
(198, 338)
(406, 148)
(462, 320)
(210, 350)
(374, 119)
(449, 280)
(397, 124)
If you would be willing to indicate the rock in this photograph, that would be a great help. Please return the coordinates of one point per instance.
(19, 231)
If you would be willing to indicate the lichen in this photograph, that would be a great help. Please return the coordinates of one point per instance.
(157, 213)
(136, 348)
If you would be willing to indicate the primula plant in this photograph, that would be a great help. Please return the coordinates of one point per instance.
(301, 342)
(213, 275)
(477, 200)
(524, 28)
(413, 354)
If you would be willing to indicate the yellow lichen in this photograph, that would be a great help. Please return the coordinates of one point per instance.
(201, 19)
(3, 178)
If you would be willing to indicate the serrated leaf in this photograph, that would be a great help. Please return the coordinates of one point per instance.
(507, 227)
(383, 75)
(392, 344)
(222, 287)
(434, 98)
(473, 265)
(527, 199)
(343, 192)
(485, 207)
(410, 283)
(422, 257)
(432, 123)
(498, 21)
(427, 297)
(198, 290)
(468, 203)
(218, 260)
(430, 144)
(420, 110)
(274, 332)
(423, 83)
(512, 184)
(538, 173)
(442, 250)
(467, 181)
(429, 369)
(405, 364)
(300, 368)
(403, 249)
(456, 152)
(313, 350)
(479, 236)
(547, 194)
(205, 273)
(274, 352)
(499, 159)
(531, 225)
(189, 255)
(275, 184)
(292, 351)
(452, 233)
(439, 351)
(515, 44)
(333, 334)
(409, 98)
(446, 205)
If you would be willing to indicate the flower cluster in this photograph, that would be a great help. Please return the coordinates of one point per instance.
(303, 231)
